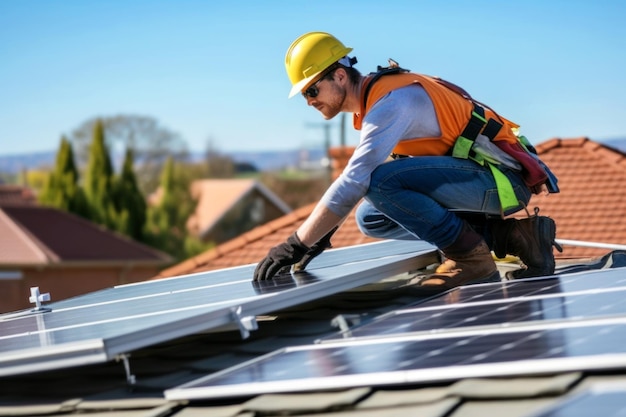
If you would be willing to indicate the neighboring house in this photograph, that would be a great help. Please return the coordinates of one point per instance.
(226, 208)
(65, 255)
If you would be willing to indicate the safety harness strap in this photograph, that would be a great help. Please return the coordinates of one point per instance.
(463, 149)
(506, 194)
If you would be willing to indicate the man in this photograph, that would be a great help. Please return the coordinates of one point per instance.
(454, 202)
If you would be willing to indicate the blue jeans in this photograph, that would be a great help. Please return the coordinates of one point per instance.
(427, 197)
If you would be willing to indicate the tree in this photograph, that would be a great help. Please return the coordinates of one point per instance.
(166, 224)
(98, 180)
(151, 143)
(128, 200)
(62, 189)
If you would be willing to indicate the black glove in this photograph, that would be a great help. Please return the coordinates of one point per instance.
(287, 253)
(316, 249)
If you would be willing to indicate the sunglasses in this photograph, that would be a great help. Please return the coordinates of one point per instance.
(312, 91)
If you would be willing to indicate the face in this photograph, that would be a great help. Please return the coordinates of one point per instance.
(330, 96)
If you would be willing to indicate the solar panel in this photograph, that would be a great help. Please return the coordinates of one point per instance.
(420, 359)
(506, 304)
(101, 325)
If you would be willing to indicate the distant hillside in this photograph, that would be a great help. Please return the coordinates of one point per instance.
(13, 164)
(263, 161)
(275, 160)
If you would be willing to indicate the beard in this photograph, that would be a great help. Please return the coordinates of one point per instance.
(333, 107)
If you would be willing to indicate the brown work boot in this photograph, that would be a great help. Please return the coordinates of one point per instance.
(463, 264)
(531, 240)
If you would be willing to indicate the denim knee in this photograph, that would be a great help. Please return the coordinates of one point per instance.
(373, 223)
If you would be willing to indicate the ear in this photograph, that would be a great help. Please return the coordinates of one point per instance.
(340, 75)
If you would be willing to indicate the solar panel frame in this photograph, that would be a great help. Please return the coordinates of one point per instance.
(136, 318)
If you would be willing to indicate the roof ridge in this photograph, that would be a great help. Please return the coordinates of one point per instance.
(607, 153)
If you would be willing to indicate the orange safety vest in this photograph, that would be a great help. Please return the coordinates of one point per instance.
(453, 113)
(454, 109)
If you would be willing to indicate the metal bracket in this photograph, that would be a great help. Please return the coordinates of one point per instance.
(130, 378)
(245, 323)
(341, 321)
(36, 297)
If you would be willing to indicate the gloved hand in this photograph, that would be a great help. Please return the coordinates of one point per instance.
(316, 249)
(287, 253)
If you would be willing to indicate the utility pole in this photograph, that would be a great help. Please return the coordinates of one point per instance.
(342, 130)
(326, 126)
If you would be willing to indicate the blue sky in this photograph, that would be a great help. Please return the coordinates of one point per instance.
(214, 70)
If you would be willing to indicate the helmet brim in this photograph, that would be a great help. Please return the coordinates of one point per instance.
(301, 85)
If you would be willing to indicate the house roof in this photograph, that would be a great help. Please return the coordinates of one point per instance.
(216, 197)
(43, 235)
(592, 204)
(252, 246)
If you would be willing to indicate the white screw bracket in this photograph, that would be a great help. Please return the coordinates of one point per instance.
(245, 323)
(37, 298)
(341, 321)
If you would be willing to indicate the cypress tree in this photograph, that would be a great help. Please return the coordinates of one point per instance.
(129, 201)
(99, 179)
(62, 189)
(165, 227)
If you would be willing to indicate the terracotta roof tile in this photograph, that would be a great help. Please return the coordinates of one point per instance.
(591, 206)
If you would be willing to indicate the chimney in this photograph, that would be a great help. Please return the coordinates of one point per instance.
(339, 157)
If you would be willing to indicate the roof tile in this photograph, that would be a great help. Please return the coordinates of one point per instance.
(591, 206)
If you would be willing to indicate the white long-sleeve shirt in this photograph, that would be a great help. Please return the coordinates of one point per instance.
(404, 113)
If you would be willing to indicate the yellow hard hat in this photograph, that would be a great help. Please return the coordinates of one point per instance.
(309, 55)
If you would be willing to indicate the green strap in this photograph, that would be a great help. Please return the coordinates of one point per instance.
(462, 147)
(508, 199)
